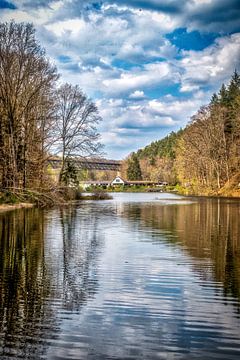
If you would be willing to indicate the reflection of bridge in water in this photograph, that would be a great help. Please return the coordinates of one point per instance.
(89, 164)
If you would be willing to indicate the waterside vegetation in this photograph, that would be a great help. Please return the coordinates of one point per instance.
(204, 157)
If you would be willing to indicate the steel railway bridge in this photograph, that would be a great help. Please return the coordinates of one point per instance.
(89, 164)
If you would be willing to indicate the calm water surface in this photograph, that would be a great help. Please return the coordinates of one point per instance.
(142, 276)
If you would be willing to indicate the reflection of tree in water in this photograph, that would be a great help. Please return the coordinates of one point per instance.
(28, 287)
(208, 229)
(24, 316)
(81, 244)
(232, 270)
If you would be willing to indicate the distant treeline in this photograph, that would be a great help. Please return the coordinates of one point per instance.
(204, 156)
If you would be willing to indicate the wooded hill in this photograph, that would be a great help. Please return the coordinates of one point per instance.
(156, 161)
(205, 156)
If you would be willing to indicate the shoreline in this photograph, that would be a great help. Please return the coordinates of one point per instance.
(106, 195)
(10, 207)
(234, 193)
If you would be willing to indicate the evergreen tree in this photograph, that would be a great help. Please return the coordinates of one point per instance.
(232, 104)
(164, 148)
(223, 96)
(69, 175)
(214, 100)
(134, 170)
(234, 87)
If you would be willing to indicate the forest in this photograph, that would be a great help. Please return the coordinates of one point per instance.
(204, 157)
(39, 114)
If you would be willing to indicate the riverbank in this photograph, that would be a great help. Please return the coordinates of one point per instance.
(61, 196)
(10, 207)
(231, 192)
(176, 189)
(68, 196)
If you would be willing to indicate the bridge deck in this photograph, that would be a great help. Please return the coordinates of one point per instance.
(90, 164)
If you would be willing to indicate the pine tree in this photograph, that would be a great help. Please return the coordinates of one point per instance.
(214, 99)
(234, 87)
(232, 103)
(134, 170)
(223, 96)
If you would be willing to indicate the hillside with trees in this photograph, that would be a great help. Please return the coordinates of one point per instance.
(205, 156)
(208, 152)
(156, 160)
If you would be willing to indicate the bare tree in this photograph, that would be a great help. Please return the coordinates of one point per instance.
(75, 128)
(202, 156)
(26, 80)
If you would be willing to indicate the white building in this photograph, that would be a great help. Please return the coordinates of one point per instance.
(118, 181)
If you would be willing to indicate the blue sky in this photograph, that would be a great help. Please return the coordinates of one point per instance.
(148, 65)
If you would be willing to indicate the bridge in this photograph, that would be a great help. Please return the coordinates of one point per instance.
(89, 164)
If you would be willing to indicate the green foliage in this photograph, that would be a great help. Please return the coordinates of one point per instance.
(234, 87)
(228, 99)
(223, 96)
(69, 175)
(8, 197)
(83, 174)
(164, 148)
(134, 170)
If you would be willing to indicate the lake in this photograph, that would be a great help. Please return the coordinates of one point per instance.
(141, 276)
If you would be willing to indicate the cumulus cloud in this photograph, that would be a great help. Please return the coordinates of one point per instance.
(204, 15)
(213, 15)
(168, 6)
(148, 76)
(121, 36)
(212, 66)
(137, 95)
(138, 122)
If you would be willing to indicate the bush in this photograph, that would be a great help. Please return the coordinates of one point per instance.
(101, 195)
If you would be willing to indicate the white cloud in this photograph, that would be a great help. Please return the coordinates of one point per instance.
(134, 124)
(179, 111)
(150, 75)
(137, 94)
(211, 66)
(71, 27)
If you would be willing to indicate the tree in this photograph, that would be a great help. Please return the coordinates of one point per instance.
(69, 174)
(202, 152)
(134, 170)
(26, 81)
(223, 95)
(75, 127)
(234, 87)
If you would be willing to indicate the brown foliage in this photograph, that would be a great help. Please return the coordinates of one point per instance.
(26, 80)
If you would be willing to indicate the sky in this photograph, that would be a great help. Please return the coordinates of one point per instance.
(148, 65)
